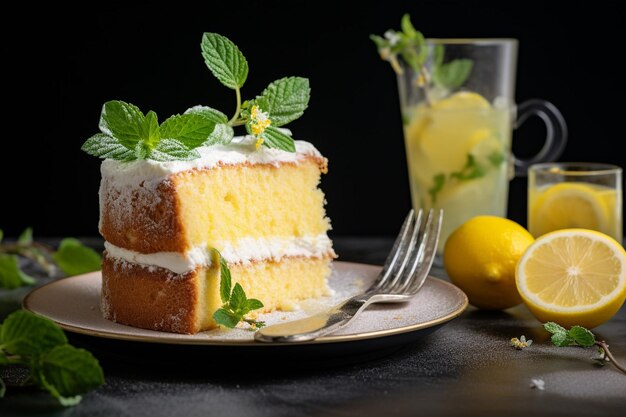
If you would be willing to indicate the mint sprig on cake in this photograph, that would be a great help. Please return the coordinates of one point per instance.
(127, 134)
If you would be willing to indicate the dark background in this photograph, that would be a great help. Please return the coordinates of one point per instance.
(61, 65)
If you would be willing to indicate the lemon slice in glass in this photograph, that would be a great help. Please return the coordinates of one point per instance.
(568, 205)
(573, 277)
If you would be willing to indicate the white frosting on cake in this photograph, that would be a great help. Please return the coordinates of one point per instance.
(241, 150)
(246, 250)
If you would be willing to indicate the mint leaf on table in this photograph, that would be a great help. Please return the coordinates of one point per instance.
(67, 372)
(128, 134)
(26, 334)
(581, 336)
(236, 304)
(225, 60)
(74, 258)
(26, 237)
(11, 276)
(285, 100)
(40, 345)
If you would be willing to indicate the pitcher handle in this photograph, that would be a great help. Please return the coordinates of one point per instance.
(556, 132)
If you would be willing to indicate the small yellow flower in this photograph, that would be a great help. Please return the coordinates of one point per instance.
(259, 142)
(259, 121)
(521, 343)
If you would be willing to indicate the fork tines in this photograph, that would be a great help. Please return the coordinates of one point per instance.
(412, 254)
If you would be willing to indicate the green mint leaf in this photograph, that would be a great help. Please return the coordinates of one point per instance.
(253, 304)
(172, 150)
(581, 336)
(123, 121)
(439, 181)
(209, 113)
(74, 258)
(407, 26)
(11, 276)
(26, 334)
(379, 41)
(3, 388)
(226, 318)
(561, 339)
(105, 146)
(274, 138)
(225, 60)
(554, 328)
(453, 74)
(470, 171)
(285, 100)
(223, 133)
(496, 158)
(238, 300)
(151, 132)
(190, 129)
(225, 279)
(438, 53)
(3, 359)
(142, 150)
(68, 372)
(26, 237)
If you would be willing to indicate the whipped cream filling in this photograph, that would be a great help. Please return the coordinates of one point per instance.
(241, 150)
(244, 251)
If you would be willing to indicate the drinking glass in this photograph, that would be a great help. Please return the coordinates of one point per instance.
(459, 113)
(575, 195)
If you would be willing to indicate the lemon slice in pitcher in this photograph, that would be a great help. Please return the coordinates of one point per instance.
(573, 277)
(568, 205)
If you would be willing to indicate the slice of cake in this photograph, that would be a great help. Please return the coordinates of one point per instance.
(202, 228)
(263, 211)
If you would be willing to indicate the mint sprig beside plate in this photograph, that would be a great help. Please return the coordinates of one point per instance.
(37, 344)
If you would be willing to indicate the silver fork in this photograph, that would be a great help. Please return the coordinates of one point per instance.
(403, 274)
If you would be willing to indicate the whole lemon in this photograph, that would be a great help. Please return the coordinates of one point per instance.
(480, 257)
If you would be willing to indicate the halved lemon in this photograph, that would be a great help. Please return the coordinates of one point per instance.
(573, 277)
(568, 205)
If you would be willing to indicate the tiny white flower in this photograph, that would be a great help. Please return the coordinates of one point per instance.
(538, 384)
(392, 37)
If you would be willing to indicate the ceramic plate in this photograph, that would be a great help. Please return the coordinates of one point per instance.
(74, 304)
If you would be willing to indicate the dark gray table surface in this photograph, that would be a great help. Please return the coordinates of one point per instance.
(465, 367)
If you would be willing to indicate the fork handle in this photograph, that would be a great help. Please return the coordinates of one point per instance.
(315, 326)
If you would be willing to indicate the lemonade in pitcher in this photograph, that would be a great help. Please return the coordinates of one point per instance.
(457, 150)
(457, 98)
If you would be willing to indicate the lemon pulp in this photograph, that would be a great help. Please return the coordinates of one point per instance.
(573, 277)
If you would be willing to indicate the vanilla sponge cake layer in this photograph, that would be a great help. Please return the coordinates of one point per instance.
(209, 207)
(158, 299)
